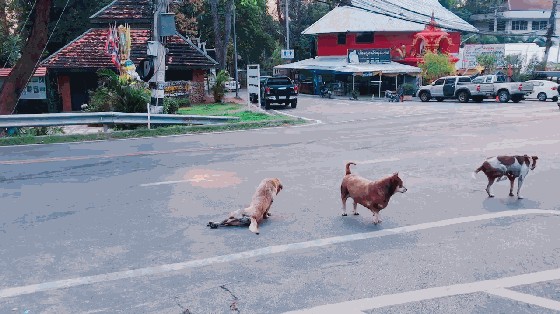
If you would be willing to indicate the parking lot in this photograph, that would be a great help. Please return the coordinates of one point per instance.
(120, 226)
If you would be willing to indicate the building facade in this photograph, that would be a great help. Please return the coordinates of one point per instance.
(518, 17)
(405, 28)
(75, 65)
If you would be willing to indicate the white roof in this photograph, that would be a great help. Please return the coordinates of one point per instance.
(387, 16)
(340, 64)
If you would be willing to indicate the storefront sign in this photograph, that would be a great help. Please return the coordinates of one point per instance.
(470, 52)
(177, 88)
(370, 56)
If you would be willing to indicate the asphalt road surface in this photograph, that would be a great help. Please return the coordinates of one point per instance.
(120, 226)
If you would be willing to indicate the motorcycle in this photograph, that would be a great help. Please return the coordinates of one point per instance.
(392, 96)
(325, 92)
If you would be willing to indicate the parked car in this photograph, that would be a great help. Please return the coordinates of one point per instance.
(280, 90)
(230, 85)
(497, 86)
(544, 90)
(253, 96)
(463, 89)
(449, 87)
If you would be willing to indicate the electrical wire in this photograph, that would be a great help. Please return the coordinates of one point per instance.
(43, 51)
(20, 32)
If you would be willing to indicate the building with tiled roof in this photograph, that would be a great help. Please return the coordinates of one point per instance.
(75, 64)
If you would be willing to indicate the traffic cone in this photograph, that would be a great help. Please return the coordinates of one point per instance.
(497, 98)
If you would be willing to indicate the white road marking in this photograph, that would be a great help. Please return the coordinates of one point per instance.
(494, 286)
(162, 269)
(526, 298)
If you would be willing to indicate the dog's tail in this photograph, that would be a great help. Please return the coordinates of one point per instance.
(348, 167)
(473, 174)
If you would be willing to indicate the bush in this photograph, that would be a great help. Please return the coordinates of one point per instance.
(114, 94)
(435, 66)
(219, 89)
(172, 105)
(409, 89)
(37, 131)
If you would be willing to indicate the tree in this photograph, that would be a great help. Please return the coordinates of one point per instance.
(436, 65)
(488, 61)
(31, 53)
(186, 13)
(221, 22)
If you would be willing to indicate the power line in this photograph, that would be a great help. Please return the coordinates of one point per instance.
(43, 51)
(20, 32)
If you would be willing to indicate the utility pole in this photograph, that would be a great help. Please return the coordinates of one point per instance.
(158, 79)
(549, 33)
(235, 53)
(287, 26)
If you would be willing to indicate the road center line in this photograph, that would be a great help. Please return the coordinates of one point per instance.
(161, 269)
(493, 286)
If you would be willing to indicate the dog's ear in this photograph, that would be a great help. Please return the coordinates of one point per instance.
(396, 174)
(534, 157)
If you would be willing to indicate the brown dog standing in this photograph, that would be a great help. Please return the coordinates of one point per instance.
(257, 210)
(373, 195)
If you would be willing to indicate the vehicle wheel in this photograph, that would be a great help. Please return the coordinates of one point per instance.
(294, 103)
(424, 96)
(463, 96)
(439, 99)
(478, 99)
(503, 96)
(541, 96)
(266, 104)
(555, 98)
(516, 99)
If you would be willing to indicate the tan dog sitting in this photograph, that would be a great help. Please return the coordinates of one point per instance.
(257, 210)
(374, 195)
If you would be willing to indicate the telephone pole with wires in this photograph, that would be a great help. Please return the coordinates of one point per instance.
(158, 80)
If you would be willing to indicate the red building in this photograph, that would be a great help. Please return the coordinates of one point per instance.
(74, 66)
(406, 28)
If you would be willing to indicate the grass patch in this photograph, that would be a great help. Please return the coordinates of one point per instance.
(144, 132)
(228, 110)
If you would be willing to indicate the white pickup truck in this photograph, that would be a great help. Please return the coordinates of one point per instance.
(463, 89)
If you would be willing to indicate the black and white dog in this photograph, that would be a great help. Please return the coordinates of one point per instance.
(507, 167)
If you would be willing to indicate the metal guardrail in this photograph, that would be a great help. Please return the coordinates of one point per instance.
(106, 118)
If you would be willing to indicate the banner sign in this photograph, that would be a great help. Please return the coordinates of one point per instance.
(371, 56)
(470, 52)
(177, 88)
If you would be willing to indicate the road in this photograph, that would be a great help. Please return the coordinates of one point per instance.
(120, 226)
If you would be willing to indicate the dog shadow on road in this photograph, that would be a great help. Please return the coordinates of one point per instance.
(497, 204)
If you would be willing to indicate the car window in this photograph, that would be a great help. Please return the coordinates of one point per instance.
(488, 79)
(438, 82)
(478, 80)
(464, 80)
(279, 81)
(500, 78)
(450, 80)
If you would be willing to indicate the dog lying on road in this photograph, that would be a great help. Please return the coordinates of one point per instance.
(373, 195)
(257, 210)
(510, 167)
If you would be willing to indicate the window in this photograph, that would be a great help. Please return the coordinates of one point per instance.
(449, 81)
(342, 39)
(438, 82)
(539, 25)
(501, 25)
(364, 38)
(519, 25)
(464, 80)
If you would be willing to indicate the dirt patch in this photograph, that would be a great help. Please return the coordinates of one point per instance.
(212, 179)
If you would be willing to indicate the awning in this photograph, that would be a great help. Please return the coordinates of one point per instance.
(341, 65)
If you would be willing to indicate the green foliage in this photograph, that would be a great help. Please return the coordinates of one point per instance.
(409, 89)
(219, 88)
(10, 46)
(172, 105)
(113, 94)
(488, 61)
(40, 131)
(435, 66)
